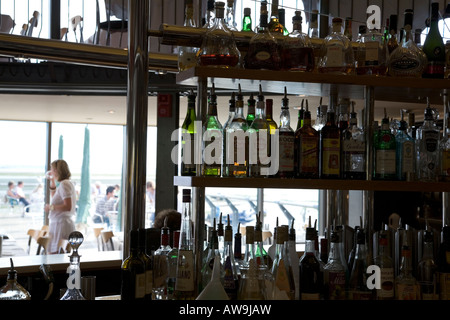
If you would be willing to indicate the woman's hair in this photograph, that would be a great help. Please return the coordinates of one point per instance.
(62, 168)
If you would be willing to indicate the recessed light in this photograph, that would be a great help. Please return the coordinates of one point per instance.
(111, 111)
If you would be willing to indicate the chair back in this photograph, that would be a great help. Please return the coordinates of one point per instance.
(107, 239)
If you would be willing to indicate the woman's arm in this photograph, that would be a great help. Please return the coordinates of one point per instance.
(65, 206)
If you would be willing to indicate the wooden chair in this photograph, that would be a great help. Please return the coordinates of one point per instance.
(36, 235)
(97, 232)
(108, 244)
(63, 246)
(43, 243)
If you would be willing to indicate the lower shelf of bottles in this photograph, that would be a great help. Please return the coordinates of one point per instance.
(324, 184)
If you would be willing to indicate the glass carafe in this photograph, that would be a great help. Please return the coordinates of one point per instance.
(12, 290)
(73, 283)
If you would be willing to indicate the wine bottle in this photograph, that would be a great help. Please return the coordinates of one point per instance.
(434, 47)
(133, 272)
(188, 131)
(148, 261)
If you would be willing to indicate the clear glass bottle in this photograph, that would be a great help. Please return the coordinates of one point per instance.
(207, 268)
(221, 238)
(230, 16)
(406, 155)
(428, 147)
(187, 56)
(427, 269)
(321, 116)
(231, 114)
(373, 54)
(311, 276)
(263, 52)
(297, 51)
(406, 286)
(218, 48)
(230, 270)
(130, 271)
(188, 167)
(291, 252)
(314, 25)
(407, 60)
(284, 281)
(348, 32)
(434, 47)
(236, 147)
(172, 256)
(161, 265)
(208, 20)
(384, 261)
(385, 149)
(247, 20)
(354, 149)
(336, 53)
(259, 139)
(330, 148)
(249, 253)
(306, 149)
(286, 141)
(250, 286)
(212, 130)
(13, 290)
(357, 285)
(185, 281)
(334, 272)
(392, 41)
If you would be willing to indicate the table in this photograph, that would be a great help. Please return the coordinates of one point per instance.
(10, 249)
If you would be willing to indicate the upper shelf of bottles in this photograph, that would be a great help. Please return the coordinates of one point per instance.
(386, 88)
(330, 184)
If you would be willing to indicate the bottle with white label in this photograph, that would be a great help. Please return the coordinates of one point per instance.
(384, 261)
(286, 141)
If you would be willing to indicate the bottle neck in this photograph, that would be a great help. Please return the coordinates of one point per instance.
(337, 28)
(406, 264)
(259, 112)
(285, 118)
(212, 109)
(189, 19)
(427, 250)
(239, 111)
(334, 254)
(310, 246)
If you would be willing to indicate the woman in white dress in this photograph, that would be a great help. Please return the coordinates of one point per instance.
(62, 204)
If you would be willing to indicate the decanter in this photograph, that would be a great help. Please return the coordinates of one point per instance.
(407, 60)
(336, 53)
(12, 290)
(73, 283)
(219, 46)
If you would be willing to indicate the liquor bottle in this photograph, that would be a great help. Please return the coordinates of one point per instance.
(406, 155)
(444, 152)
(314, 25)
(236, 148)
(321, 116)
(385, 152)
(286, 141)
(351, 255)
(271, 250)
(208, 20)
(148, 261)
(330, 148)
(292, 255)
(427, 270)
(161, 265)
(434, 47)
(323, 257)
(443, 263)
(230, 16)
(311, 277)
(231, 114)
(213, 252)
(372, 54)
(297, 51)
(384, 261)
(428, 147)
(133, 272)
(238, 248)
(412, 126)
(251, 107)
(269, 116)
(187, 56)
(282, 19)
(336, 53)
(262, 259)
(344, 110)
(263, 50)
(188, 167)
(13, 290)
(354, 150)
(406, 286)
(185, 281)
(173, 257)
(334, 273)
(218, 47)
(250, 286)
(275, 27)
(357, 286)
(392, 42)
(348, 28)
(300, 115)
(221, 238)
(259, 142)
(407, 60)
(249, 253)
(230, 270)
(247, 21)
(306, 149)
(283, 278)
(212, 130)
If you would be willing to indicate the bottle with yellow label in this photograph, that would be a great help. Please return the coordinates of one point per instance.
(330, 148)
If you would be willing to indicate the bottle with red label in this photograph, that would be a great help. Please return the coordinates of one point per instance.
(434, 47)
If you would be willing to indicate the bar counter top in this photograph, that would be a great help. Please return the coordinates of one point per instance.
(89, 261)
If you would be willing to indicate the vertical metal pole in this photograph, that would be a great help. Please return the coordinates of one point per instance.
(445, 195)
(368, 196)
(48, 162)
(137, 113)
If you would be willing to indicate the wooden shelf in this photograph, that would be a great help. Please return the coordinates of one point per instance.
(330, 184)
(318, 84)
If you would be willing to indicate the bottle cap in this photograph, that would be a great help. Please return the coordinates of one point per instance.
(247, 11)
(186, 195)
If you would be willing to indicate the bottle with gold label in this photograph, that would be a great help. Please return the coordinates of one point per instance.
(306, 149)
(330, 148)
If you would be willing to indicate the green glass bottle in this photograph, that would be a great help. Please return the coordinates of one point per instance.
(434, 47)
(247, 21)
(188, 131)
(213, 142)
(385, 152)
